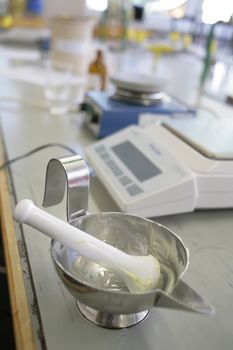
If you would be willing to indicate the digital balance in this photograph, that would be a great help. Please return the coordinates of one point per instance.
(168, 168)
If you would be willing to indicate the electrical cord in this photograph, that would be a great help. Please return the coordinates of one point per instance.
(207, 109)
(37, 149)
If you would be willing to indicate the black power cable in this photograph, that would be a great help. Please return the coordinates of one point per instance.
(37, 149)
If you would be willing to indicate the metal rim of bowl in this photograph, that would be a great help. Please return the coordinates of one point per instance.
(120, 291)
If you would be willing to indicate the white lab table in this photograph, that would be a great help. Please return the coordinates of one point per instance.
(55, 322)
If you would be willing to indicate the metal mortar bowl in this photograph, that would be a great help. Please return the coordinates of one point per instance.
(101, 296)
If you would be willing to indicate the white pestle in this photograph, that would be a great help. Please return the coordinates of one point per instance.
(139, 273)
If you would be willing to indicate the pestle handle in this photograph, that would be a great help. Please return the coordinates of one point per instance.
(70, 236)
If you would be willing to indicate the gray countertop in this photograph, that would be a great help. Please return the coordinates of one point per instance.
(207, 234)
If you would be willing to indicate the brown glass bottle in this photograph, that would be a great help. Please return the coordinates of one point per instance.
(98, 72)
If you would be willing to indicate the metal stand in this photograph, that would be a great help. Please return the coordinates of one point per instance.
(107, 320)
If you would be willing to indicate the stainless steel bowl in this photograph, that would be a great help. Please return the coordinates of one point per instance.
(100, 295)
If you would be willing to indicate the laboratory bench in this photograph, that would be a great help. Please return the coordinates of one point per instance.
(45, 315)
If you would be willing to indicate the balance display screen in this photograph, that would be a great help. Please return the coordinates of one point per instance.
(140, 166)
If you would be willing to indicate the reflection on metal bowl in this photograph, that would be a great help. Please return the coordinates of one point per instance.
(100, 295)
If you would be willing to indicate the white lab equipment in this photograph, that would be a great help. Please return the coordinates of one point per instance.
(168, 168)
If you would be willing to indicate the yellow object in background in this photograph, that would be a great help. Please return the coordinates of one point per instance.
(137, 35)
(174, 36)
(159, 49)
(187, 40)
(6, 22)
(213, 47)
(17, 7)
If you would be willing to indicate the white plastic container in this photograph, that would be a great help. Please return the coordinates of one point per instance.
(72, 41)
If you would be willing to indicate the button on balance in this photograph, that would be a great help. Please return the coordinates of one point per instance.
(125, 180)
(104, 155)
(114, 168)
(133, 190)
